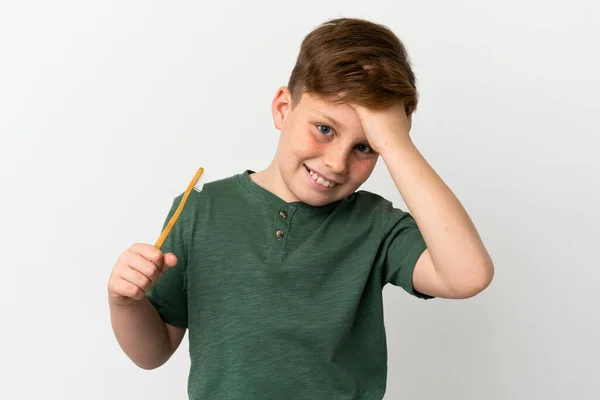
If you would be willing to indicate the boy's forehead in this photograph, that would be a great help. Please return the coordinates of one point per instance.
(341, 115)
(325, 106)
(334, 112)
(320, 101)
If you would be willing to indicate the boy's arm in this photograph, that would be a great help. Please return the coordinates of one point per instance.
(138, 326)
(456, 263)
(144, 337)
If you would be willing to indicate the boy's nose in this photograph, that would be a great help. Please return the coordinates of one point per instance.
(337, 161)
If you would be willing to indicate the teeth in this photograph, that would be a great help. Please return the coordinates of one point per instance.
(320, 180)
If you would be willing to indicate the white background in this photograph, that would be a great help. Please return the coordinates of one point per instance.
(107, 109)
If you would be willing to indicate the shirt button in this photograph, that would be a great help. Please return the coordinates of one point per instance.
(279, 234)
(283, 214)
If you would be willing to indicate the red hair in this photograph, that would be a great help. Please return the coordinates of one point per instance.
(354, 60)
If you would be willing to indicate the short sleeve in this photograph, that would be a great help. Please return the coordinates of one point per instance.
(402, 246)
(169, 295)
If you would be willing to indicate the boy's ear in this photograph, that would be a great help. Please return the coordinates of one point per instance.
(280, 106)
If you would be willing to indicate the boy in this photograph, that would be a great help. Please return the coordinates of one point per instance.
(278, 274)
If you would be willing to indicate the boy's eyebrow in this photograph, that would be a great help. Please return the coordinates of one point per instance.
(329, 118)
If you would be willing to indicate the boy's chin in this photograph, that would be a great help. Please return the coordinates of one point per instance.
(317, 200)
(318, 203)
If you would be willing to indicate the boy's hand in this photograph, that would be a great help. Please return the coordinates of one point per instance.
(137, 270)
(385, 128)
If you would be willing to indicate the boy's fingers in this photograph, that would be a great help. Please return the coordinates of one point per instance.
(148, 252)
(137, 279)
(144, 266)
(169, 260)
(128, 289)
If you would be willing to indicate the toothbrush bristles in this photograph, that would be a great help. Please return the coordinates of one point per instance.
(200, 184)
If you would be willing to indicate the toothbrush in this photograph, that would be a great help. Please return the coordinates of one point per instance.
(195, 184)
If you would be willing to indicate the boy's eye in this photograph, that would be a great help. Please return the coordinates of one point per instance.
(324, 129)
(363, 148)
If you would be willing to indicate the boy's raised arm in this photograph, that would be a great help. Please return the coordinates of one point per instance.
(456, 263)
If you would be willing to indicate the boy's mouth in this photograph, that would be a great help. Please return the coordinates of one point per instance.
(319, 179)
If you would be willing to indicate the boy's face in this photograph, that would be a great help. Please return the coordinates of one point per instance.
(323, 154)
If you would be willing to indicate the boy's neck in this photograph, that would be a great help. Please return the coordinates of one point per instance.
(270, 180)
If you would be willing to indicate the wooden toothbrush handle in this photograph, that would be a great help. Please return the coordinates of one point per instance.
(171, 223)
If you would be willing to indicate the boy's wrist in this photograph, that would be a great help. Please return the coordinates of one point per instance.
(123, 304)
(399, 148)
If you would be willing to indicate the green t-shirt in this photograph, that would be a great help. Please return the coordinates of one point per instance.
(284, 300)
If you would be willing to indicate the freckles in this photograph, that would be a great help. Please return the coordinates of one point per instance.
(311, 144)
(362, 168)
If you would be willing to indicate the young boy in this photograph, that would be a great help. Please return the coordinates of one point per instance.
(278, 274)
